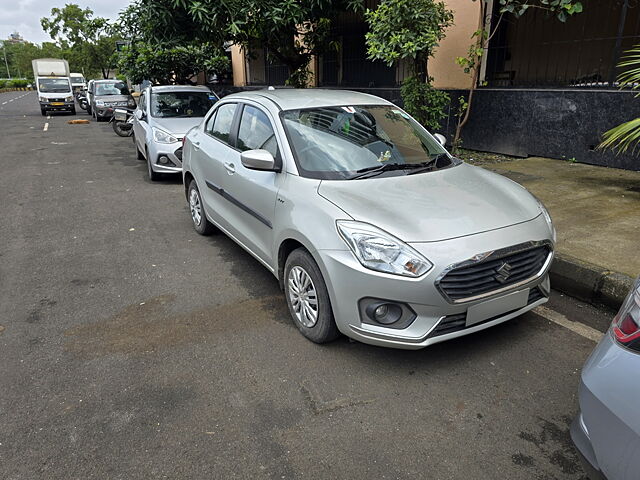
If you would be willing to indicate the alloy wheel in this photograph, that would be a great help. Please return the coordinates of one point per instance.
(195, 207)
(303, 297)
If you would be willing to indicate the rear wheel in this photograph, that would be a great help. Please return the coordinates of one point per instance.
(200, 222)
(308, 298)
(89, 111)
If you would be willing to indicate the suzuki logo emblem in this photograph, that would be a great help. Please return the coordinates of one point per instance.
(503, 273)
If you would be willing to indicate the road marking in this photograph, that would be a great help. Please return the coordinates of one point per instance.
(4, 103)
(48, 117)
(576, 327)
(46, 127)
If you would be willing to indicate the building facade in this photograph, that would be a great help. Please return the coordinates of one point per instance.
(546, 88)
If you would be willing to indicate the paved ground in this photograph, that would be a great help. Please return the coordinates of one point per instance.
(595, 209)
(131, 347)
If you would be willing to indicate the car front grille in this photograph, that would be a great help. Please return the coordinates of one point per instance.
(458, 321)
(481, 278)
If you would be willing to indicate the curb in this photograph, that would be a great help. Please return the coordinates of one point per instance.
(588, 282)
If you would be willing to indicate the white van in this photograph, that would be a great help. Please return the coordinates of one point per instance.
(53, 85)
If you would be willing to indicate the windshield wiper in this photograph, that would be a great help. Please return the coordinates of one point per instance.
(377, 169)
(421, 167)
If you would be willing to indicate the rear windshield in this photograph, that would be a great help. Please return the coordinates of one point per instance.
(116, 88)
(54, 85)
(77, 80)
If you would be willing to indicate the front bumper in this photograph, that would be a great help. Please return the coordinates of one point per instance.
(172, 151)
(349, 282)
(58, 106)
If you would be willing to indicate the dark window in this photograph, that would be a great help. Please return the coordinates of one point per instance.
(256, 131)
(222, 123)
(115, 88)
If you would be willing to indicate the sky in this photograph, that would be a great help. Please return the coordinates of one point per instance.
(24, 16)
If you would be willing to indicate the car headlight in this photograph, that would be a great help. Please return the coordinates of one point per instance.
(378, 250)
(43, 99)
(99, 103)
(161, 136)
(69, 99)
(547, 217)
(131, 103)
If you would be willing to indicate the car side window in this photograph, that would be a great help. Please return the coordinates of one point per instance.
(222, 122)
(256, 131)
(142, 104)
(209, 125)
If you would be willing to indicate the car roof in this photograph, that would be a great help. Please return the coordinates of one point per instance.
(109, 80)
(297, 98)
(180, 88)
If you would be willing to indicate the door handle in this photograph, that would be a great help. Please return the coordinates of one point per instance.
(231, 168)
(196, 145)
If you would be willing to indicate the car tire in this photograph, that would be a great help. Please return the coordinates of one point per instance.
(317, 324)
(139, 154)
(73, 111)
(43, 112)
(153, 176)
(201, 224)
(89, 111)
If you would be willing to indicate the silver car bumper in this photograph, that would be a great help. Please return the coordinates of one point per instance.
(350, 284)
(172, 151)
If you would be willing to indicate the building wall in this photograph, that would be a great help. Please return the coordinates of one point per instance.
(446, 73)
(442, 67)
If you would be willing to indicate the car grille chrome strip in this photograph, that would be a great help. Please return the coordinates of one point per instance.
(495, 272)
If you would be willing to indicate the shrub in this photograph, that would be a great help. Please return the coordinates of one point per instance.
(424, 103)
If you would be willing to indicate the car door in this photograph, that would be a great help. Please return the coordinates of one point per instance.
(251, 194)
(139, 125)
(211, 149)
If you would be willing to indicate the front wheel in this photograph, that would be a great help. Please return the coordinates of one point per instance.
(43, 112)
(200, 222)
(153, 176)
(122, 129)
(308, 298)
(89, 111)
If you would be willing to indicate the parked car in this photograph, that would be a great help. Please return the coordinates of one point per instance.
(371, 227)
(606, 432)
(106, 95)
(164, 115)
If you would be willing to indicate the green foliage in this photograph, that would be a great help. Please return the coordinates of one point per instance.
(292, 30)
(412, 29)
(171, 65)
(19, 56)
(626, 135)
(18, 83)
(562, 9)
(423, 102)
(89, 41)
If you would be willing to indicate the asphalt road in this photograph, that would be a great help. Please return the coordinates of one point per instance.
(131, 347)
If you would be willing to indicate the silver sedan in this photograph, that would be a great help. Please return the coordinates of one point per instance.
(371, 227)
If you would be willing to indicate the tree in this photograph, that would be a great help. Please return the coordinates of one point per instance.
(90, 39)
(293, 31)
(627, 134)
(561, 9)
(411, 30)
(165, 45)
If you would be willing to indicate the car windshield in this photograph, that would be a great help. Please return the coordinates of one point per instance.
(77, 80)
(116, 88)
(54, 85)
(345, 142)
(181, 104)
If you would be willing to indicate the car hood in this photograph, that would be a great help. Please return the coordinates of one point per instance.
(177, 125)
(438, 205)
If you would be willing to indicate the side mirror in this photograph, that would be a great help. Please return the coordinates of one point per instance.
(258, 160)
(139, 114)
(440, 138)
